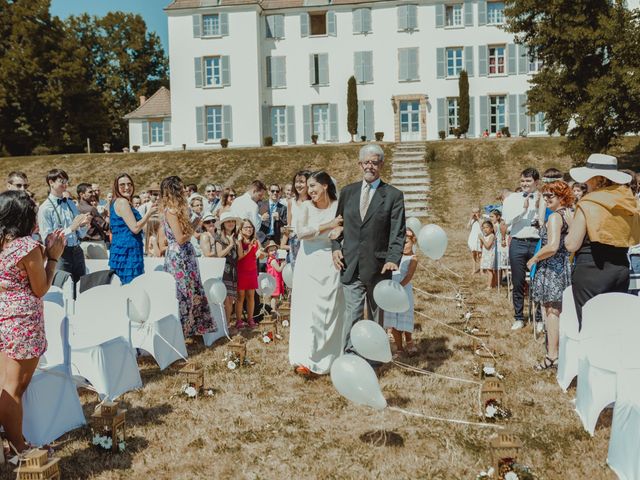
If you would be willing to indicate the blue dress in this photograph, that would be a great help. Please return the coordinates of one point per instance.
(126, 257)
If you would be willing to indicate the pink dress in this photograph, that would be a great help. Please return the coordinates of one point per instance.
(21, 313)
(248, 269)
(277, 275)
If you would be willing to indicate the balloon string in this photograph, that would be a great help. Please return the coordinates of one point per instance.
(434, 295)
(449, 420)
(446, 280)
(432, 374)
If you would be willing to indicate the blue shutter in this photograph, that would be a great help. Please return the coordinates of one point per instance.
(323, 64)
(279, 26)
(361, 121)
(197, 65)
(226, 70)
(291, 125)
(199, 124)
(524, 119)
(369, 127)
(513, 114)
(332, 28)
(484, 113)
(304, 24)
(483, 53)
(266, 121)
(306, 124)
(312, 69)
(269, 72)
(366, 20)
(440, 63)
(227, 123)
(413, 64)
(271, 28)
(282, 72)
(357, 66)
(224, 24)
(523, 60)
(197, 25)
(368, 67)
(166, 131)
(412, 20)
(145, 132)
(333, 121)
(403, 64)
(402, 17)
(468, 13)
(468, 60)
(442, 116)
(482, 12)
(472, 117)
(357, 15)
(512, 66)
(440, 15)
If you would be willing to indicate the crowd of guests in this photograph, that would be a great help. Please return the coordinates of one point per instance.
(578, 230)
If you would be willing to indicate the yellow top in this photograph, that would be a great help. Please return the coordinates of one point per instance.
(612, 216)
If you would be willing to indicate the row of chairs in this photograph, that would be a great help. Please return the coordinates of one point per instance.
(605, 358)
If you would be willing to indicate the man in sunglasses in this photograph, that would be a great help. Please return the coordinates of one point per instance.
(17, 181)
(273, 216)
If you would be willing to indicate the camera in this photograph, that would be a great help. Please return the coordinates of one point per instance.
(535, 223)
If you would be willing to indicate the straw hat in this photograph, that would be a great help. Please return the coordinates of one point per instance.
(227, 216)
(603, 165)
(270, 244)
(154, 187)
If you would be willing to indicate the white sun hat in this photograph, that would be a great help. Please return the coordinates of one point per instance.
(600, 164)
(227, 216)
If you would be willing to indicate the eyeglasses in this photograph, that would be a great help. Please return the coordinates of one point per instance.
(210, 191)
(208, 222)
(63, 181)
(232, 195)
(547, 196)
(275, 191)
(375, 163)
(21, 185)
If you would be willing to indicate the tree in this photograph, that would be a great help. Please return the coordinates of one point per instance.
(590, 78)
(463, 102)
(352, 106)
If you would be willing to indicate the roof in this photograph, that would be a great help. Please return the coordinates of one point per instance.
(264, 4)
(158, 105)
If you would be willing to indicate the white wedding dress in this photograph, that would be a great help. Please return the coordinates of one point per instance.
(317, 333)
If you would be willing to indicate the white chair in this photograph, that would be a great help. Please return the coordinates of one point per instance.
(153, 264)
(95, 251)
(95, 265)
(210, 268)
(51, 404)
(100, 338)
(218, 314)
(569, 346)
(624, 444)
(161, 334)
(596, 389)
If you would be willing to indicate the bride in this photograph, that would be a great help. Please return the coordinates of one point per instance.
(317, 308)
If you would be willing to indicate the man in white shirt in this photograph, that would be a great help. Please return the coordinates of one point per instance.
(520, 213)
(246, 205)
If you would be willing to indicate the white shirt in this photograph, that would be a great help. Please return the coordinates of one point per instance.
(372, 190)
(244, 207)
(53, 215)
(519, 219)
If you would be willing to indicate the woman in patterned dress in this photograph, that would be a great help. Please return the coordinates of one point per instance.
(180, 260)
(24, 279)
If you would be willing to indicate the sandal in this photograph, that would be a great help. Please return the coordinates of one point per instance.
(546, 364)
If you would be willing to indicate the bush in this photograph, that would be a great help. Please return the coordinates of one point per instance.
(505, 131)
(363, 138)
(224, 143)
(135, 148)
(442, 134)
(184, 146)
(457, 132)
(430, 155)
(268, 141)
(314, 139)
(379, 136)
(41, 150)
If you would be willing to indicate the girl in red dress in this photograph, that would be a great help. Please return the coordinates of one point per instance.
(275, 266)
(248, 253)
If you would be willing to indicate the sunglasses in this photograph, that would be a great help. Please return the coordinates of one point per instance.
(275, 191)
(232, 195)
(208, 222)
(21, 185)
(210, 191)
(548, 195)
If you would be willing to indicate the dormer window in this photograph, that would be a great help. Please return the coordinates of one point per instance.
(318, 23)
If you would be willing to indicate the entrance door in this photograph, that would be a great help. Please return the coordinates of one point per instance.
(409, 121)
(279, 125)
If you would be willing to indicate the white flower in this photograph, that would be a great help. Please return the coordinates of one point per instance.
(489, 370)
(266, 339)
(231, 365)
(210, 392)
(285, 323)
(490, 472)
(190, 392)
(467, 315)
(122, 446)
(108, 443)
(511, 476)
(96, 439)
(490, 412)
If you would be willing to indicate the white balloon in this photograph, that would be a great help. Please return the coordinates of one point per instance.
(355, 380)
(433, 241)
(371, 341)
(139, 303)
(217, 292)
(287, 275)
(266, 284)
(414, 224)
(391, 296)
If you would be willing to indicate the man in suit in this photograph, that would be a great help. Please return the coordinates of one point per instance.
(273, 216)
(370, 246)
(98, 228)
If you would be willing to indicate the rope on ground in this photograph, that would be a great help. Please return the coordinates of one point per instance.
(449, 420)
(433, 374)
(443, 297)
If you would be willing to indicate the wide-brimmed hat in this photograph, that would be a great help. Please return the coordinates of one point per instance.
(208, 217)
(270, 244)
(154, 187)
(227, 216)
(603, 165)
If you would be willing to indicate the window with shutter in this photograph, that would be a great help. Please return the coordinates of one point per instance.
(156, 129)
(318, 23)
(495, 13)
(361, 20)
(212, 72)
(211, 25)
(213, 123)
(454, 15)
(454, 62)
(319, 68)
(497, 60)
(453, 120)
(407, 18)
(363, 67)
(276, 75)
(274, 26)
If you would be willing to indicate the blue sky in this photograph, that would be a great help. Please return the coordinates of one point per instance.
(151, 10)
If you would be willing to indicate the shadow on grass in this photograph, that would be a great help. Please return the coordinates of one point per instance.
(382, 438)
(433, 351)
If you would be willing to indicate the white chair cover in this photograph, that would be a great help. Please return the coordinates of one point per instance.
(51, 404)
(161, 334)
(624, 445)
(569, 346)
(596, 389)
(153, 264)
(210, 268)
(96, 265)
(100, 341)
(218, 314)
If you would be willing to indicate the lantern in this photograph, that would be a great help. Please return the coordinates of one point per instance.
(193, 374)
(36, 465)
(479, 339)
(505, 448)
(269, 326)
(109, 420)
(492, 389)
(238, 348)
(284, 313)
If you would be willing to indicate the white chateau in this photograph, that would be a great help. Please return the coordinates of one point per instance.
(244, 70)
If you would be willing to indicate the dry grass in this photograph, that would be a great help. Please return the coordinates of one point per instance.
(266, 423)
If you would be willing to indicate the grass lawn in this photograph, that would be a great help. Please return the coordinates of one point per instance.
(265, 423)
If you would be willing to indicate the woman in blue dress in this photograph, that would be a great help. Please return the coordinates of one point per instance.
(126, 256)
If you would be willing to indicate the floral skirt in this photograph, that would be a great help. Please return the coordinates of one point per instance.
(23, 337)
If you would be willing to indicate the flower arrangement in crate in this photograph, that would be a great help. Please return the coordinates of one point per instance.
(108, 430)
(236, 355)
(270, 329)
(193, 374)
(491, 396)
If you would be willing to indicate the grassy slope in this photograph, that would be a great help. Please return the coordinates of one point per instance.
(266, 423)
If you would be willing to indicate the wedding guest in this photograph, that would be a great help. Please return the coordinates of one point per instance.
(553, 274)
(17, 181)
(273, 216)
(287, 194)
(126, 257)
(226, 242)
(152, 247)
(606, 223)
(180, 260)
(190, 190)
(402, 323)
(97, 232)
(26, 273)
(502, 248)
(579, 191)
(55, 213)
(472, 242)
(246, 205)
(248, 253)
(212, 198)
(487, 241)
(207, 237)
(196, 206)
(228, 197)
(274, 268)
(294, 204)
(136, 202)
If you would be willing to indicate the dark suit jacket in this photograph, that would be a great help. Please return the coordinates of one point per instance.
(370, 243)
(263, 206)
(99, 226)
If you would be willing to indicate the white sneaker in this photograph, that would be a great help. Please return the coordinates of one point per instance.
(517, 325)
(539, 327)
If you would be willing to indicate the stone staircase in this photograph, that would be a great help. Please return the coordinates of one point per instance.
(409, 174)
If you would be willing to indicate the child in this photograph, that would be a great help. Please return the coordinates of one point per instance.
(488, 261)
(500, 229)
(151, 245)
(403, 322)
(472, 242)
(248, 251)
(274, 268)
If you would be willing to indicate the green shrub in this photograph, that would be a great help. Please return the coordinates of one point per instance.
(268, 141)
(41, 150)
(442, 134)
(379, 136)
(224, 143)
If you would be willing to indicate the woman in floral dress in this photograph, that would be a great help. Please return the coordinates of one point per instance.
(180, 260)
(25, 278)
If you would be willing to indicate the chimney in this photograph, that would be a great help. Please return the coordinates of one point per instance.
(142, 99)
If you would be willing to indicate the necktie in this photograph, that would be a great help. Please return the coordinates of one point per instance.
(62, 200)
(272, 208)
(364, 200)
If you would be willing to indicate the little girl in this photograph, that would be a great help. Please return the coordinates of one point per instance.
(502, 249)
(403, 322)
(274, 268)
(488, 261)
(151, 244)
(248, 252)
(472, 242)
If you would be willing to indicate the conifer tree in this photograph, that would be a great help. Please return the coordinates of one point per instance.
(352, 107)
